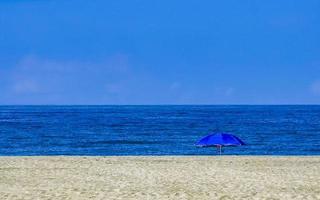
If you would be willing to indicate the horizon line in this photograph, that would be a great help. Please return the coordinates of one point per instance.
(159, 104)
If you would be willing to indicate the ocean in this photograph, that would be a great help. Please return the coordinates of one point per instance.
(156, 130)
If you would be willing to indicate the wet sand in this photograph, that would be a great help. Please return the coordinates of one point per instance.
(225, 177)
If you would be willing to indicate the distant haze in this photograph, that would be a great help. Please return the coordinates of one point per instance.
(159, 52)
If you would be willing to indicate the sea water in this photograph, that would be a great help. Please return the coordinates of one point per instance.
(157, 130)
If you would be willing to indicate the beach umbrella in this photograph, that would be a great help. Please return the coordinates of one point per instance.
(219, 140)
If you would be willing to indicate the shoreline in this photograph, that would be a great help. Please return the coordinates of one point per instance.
(159, 177)
(155, 156)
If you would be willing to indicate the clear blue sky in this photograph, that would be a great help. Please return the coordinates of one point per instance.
(159, 52)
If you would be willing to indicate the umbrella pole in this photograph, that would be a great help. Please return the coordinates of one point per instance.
(219, 147)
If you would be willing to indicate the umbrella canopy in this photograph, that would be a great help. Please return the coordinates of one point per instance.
(220, 139)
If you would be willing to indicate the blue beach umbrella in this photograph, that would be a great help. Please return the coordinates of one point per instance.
(219, 140)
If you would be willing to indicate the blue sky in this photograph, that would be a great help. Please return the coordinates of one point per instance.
(159, 52)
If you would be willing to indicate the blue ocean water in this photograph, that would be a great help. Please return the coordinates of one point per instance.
(157, 130)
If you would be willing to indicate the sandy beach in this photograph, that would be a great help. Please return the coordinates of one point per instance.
(225, 177)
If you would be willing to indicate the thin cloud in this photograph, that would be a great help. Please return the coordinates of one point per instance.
(315, 88)
(224, 91)
(26, 86)
(36, 79)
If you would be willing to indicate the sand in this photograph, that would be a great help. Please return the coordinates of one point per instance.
(225, 177)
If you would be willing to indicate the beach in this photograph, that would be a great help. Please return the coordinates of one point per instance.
(162, 177)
